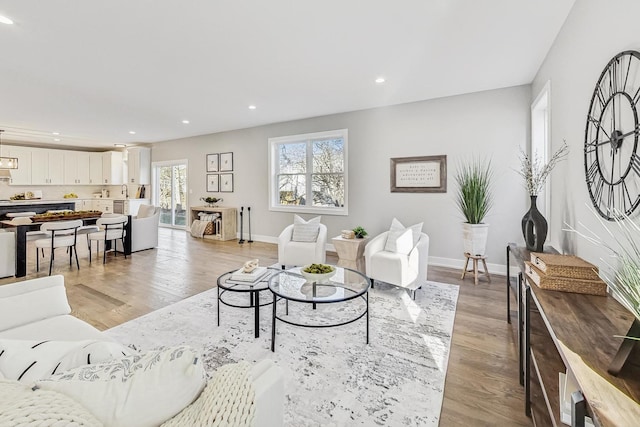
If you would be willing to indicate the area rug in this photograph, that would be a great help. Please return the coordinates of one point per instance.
(332, 378)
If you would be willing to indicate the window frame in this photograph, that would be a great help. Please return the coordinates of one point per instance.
(274, 169)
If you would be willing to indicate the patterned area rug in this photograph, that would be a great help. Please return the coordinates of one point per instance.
(332, 378)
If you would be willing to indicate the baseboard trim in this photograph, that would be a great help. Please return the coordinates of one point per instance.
(437, 261)
(458, 264)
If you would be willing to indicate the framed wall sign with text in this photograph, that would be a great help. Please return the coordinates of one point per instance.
(425, 174)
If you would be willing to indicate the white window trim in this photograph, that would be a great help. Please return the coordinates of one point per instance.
(273, 200)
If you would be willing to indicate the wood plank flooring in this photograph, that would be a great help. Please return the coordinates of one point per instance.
(481, 388)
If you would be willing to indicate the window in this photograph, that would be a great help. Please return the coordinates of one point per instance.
(309, 173)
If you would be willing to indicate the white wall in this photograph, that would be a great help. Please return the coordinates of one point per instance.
(493, 123)
(594, 32)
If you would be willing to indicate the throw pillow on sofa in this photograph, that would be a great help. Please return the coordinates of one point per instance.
(305, 231)
(25, 360)
(401, 239)
(142, 390)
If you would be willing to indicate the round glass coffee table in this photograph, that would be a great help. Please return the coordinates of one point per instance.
(253, 289)
(345, 285)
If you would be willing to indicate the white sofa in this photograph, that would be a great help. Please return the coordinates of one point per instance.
(38, 309)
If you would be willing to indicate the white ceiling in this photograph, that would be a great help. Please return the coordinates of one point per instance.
(94, 70)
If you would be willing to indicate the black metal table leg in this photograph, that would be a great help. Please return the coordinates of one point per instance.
(273, 325)
(218, 306)
(367, 317)
(520, 326)
(256, 306)
(21, 250)
(508, 289)
(527, 355)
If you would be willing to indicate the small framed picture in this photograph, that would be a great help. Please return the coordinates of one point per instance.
(226, 182)
(226, 162)
(212, 163)
(213, 183)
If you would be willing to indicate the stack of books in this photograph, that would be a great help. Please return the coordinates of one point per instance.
(254, 276)
(566, 273)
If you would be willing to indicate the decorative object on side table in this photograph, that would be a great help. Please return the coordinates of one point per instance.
(211, 201)
(348, 234)
(360, 232)
(474, 200)
(534, 225)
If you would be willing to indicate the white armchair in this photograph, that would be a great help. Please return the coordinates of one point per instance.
(406, 271)
(301, 253)
(144, 229)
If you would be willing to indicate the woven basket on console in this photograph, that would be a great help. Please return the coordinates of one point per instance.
(569, 266)
(564, 284)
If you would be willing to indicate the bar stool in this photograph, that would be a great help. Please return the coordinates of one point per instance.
(63, 234)
(112, 229)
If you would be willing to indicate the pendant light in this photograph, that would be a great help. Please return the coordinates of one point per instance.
(7, 162)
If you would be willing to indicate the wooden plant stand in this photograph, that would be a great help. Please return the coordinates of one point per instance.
(474, 270)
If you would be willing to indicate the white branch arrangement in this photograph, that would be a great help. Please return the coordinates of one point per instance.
(534, 173)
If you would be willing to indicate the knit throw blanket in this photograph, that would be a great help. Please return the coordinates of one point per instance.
(198, 227)
(227, 400)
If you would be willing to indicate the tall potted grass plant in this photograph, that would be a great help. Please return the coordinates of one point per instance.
(474, 199)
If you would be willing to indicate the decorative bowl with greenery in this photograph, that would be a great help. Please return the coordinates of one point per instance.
(474, 198)
(360, 232)
(210, 200)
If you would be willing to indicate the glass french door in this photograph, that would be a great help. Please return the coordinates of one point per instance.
(170, 194)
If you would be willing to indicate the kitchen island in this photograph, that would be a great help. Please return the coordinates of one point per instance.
(34, 205)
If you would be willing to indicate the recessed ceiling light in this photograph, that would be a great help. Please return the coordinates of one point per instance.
(56, 133)
(5, 20)
(120, 145)
(132, 132)
(186, 122)
(56, 139)
(252, 107)
(380, 80)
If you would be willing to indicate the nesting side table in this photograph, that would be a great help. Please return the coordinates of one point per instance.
(350, 252)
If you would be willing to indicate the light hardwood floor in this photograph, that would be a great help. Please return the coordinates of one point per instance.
(481, 388)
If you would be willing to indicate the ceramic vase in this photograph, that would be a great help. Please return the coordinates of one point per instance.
(534, 227)
(475, 238)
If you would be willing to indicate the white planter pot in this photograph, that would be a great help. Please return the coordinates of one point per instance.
(475, 238)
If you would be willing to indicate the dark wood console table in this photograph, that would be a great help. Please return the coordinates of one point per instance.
(563, 331)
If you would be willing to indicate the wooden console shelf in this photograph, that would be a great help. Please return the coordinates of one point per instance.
(228, 221)
(575, 332)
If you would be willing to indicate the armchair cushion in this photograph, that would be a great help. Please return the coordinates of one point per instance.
(145, 211)
(401, 239)
(305, 231)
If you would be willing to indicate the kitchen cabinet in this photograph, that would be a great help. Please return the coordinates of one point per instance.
(84, 205)
(139, 165)
(47, 167)
(76, 168)
(103, 205)
(112, 168)
(95, 168)
(22, 175)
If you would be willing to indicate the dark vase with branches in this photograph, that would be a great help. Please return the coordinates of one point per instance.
(535, 174)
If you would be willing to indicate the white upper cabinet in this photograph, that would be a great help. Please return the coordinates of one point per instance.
(95, 168)
(76, 168)
(139, 165)
(112, 168)
(22, 175)
(47, 167)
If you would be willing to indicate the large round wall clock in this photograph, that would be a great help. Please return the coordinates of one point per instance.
(611, 157)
